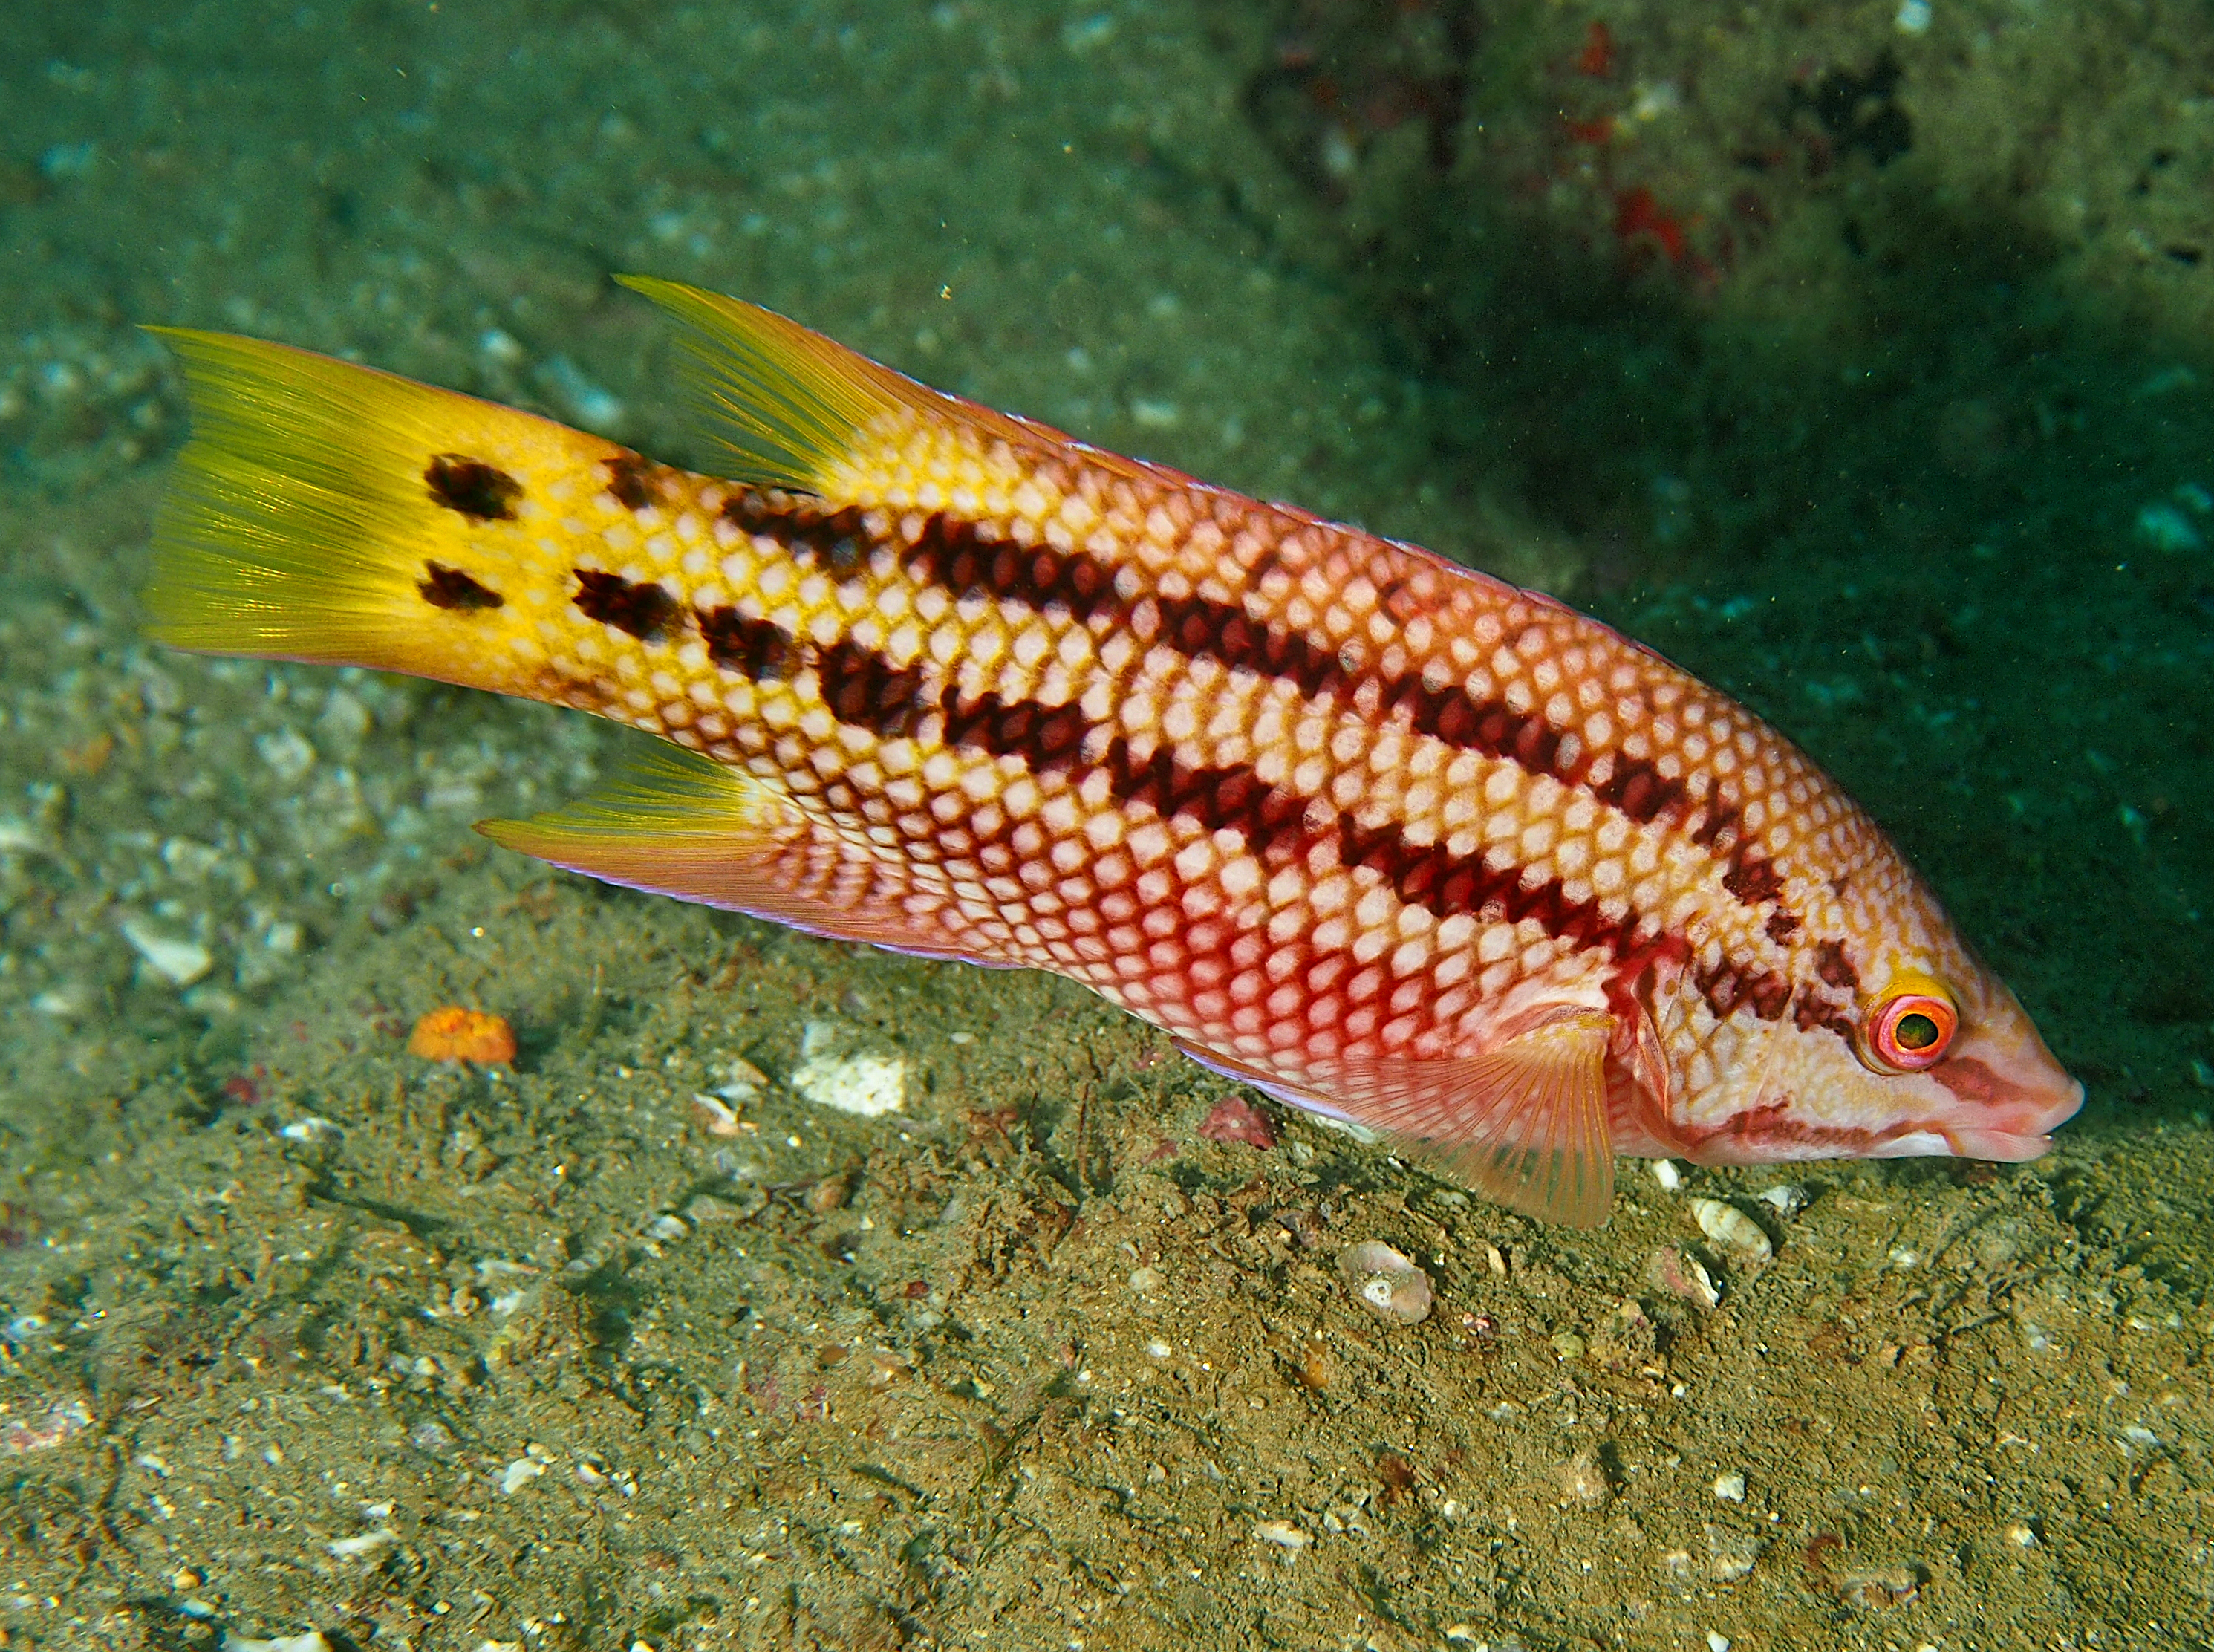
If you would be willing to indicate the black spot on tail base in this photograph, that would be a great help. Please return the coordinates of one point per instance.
(641, 609)
(450, 588)
(480, 491)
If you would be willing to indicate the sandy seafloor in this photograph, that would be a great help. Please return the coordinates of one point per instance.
(1855, 356)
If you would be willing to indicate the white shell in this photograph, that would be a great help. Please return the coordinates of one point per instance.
(1731, 1228)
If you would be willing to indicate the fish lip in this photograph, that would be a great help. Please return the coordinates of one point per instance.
(2001, 1146)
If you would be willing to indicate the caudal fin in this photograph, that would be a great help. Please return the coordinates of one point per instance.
(329, 512)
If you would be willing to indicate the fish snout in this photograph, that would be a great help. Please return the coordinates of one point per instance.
(2012, 1094)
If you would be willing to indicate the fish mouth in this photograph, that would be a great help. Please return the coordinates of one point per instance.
(2012, 1094)
(2003, 1146)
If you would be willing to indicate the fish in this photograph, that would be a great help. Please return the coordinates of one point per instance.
(1386, 838)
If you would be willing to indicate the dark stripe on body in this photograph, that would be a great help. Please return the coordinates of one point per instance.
(639, 609)
(957, 557)
(861, 687)
(1044, 739)
(760, 648)
(838, 540)
(1270, 819)
(1427, 875)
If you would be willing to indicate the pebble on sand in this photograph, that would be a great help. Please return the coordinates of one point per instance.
(1236, 1119)
(1386, 1281)
(177, 961)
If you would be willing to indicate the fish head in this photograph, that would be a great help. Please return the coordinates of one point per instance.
(1879, 1034)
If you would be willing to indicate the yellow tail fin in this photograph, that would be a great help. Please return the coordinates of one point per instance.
(329, 512)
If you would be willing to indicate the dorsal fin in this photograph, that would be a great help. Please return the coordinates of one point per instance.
(787, 404)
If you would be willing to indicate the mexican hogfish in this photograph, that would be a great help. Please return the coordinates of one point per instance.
(1389, 840)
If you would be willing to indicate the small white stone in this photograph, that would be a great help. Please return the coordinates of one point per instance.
(177, 961)
(1717, 1642)
(313, 1640)
(344, 720)
(310, 1128)
(287, 753)
(1665, 1173)
(1912, 17)
(715, 1113)
(864, 1084)
(742, 1079)
(519, 1473)
(1730, 1487)
(1283, 1534)
(367, 1544)
(590, 405)
(189, 859)
(667, 1228)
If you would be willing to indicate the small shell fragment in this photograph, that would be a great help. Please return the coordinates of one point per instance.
(1386, 1281)
(1786, 1199)
(1669, 1269)
(715, 1114)
(1731, 1229)
(1283, 1534)
(1665, 1173)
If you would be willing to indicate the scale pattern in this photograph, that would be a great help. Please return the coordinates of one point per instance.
(1291, 791)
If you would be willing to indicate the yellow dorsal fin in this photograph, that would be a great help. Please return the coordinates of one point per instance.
(787, 405)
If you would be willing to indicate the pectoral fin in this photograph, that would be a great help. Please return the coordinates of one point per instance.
(1524, 1124)
(683, 826)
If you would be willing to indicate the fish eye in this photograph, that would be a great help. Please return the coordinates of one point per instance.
(1913, 1026)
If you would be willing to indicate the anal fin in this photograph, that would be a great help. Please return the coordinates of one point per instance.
(685, 826)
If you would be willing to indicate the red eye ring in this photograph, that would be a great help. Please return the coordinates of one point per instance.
(1913, 1029)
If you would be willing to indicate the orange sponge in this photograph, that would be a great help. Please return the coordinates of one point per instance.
(454, 1034)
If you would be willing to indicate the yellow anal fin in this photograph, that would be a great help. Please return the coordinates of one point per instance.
(791, 408)
(681, 825)
(330, 512)
(1524, 1124)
